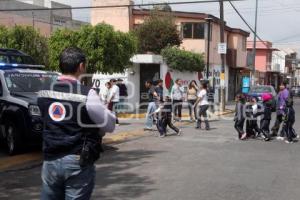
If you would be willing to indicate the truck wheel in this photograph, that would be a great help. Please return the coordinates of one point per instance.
(12, 138)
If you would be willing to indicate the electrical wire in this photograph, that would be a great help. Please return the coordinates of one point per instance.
(113, 6)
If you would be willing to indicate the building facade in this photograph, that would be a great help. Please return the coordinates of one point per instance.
(193, 28)
(44, 21)
(263, 61)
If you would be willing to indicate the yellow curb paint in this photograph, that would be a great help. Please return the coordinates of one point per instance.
(143, 115)
(12, 161)
(122, 136)
(8, 162)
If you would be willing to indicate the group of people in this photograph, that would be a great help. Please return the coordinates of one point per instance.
(250, 111)
(114, 96)
(162, 110)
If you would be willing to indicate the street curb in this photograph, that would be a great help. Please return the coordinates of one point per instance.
(24, 161)
(143, 115)
(19, 161)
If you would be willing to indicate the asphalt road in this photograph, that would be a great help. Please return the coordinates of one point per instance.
(199, 165)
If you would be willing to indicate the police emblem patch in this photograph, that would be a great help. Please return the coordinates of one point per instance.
(57, 111)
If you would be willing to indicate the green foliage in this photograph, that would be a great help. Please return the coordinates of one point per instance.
(182, 60)
(107, 50)
(26, 39)
(3, 37)
(157, 32)
(58, 41)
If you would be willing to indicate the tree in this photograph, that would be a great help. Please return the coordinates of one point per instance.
(107, 50)
(157, 32)
(182, 60)
(59, 40)
(3, 37)
(165, 7)
(26, 39)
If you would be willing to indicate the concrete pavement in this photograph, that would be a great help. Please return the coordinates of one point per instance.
(199, 165)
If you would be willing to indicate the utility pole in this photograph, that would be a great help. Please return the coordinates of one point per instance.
(254, 46)
(33, 22)
(222, 40)
(208, 19)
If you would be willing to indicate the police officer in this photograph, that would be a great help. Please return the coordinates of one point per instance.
(74, 122)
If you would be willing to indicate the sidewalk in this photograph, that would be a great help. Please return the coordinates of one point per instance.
(130, 129)
(132, 125)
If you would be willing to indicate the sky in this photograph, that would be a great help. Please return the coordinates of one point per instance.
(278, 20)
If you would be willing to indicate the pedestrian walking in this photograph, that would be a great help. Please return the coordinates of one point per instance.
(114, 98)
(266, 116)
(165, 118)
(192, 95)
(239, 117)
(177, 95)
(252, 112)
(123, 95)
(281, 105)
(71, 138)
(104, 94)
(288, 122)
(160, 90)
(152, 98)
(202, 101)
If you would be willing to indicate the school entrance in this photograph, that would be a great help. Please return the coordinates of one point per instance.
(147, 72)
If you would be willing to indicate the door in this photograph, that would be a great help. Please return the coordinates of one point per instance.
(148, 72)
(232, 84)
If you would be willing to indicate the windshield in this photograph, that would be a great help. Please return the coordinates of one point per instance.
(16, 59)
(28, 82)
(261, 89)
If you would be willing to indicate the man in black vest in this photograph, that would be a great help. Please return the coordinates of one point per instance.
(74, 123)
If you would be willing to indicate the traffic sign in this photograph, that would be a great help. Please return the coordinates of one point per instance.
(222, 48)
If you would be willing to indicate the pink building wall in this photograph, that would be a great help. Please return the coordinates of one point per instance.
(11, 20)
(117, 17)
(263, 56)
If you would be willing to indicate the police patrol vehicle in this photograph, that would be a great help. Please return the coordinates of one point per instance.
(20, 81)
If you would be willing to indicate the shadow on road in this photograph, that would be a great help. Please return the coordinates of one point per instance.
(116, 178)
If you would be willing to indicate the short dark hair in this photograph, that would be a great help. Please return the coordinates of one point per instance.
(160, 81)
(204, 85)
(284, 83)
(70, 59)
(150, 82)
(113, 80)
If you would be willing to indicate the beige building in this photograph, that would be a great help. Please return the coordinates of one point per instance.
(193, 28)
(44, 21)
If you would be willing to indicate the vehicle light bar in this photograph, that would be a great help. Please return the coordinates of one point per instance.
(23, 66)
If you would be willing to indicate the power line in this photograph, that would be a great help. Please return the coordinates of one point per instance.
(244, 20)
(113, 6)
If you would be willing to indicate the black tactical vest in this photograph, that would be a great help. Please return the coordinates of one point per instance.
(66, 121)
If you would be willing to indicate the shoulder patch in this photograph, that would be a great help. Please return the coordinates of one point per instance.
(57, 111)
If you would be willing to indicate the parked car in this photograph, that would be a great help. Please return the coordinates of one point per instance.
(257, 91)
(20, 119)
(295, 91)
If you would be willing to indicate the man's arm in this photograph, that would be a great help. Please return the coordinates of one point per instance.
(112, 95)
(99, 114)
